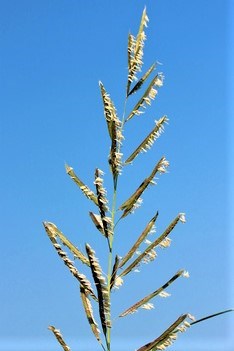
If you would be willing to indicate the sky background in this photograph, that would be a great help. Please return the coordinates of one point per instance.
(53, 53)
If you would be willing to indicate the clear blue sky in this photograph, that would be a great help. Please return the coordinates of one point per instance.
(53, 53)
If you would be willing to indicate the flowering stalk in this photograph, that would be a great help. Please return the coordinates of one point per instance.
(105, 221)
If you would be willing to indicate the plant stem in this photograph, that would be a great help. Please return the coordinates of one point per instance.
(110, 259)
(111, 239)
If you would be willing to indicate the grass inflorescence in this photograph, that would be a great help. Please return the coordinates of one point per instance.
(107, 213)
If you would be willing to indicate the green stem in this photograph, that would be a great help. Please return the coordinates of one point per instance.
(111, 239)
(110, 263)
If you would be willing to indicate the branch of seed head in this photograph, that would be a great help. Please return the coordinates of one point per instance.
(149, 252)
(109, 110)
(167, 338)
(148, 142)
(59, 337)
(115, 156)
(149, 95)
(135, 50)
(102, 291)
(102, 203)
(129, 204)
(89, 313)
(84, 188)
(144, 302)
(80, 277)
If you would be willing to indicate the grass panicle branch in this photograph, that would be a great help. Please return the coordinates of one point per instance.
(74, 271)
(149, 95)
(130, 204)
(150, 139)
(89, 313)
(135, 51)
(114, 272)
(141, 81)
(59, 337)
(141, 238)
(102, 291)
(167, 338)
(54, 231)
(160, 291)
(102, 204)
(84, 188)
(148, 254)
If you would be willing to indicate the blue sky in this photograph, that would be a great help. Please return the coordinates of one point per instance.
(53, 53)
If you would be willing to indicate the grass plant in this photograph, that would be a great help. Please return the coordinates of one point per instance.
(97, 288)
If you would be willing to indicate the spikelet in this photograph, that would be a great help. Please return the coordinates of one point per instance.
(84, 188)
(89, 313)
(148, 251)
(128, 205)
(74, 271)
(54, 231)
(150, 139)
(118, 282)
(102, 203)
(141, 238)
(59, 337)
(102, 291)
(148, 306)
(135, 51)
(167, 338)
(160, 291)
(149, 95)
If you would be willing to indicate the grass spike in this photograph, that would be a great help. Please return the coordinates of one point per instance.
(141, 238)
(114, 272)
(168, 336)
(149, 140)
(155, 243)
(128, 205)
(84, 188)
(147, 298)
(135, 51)
(102, 203)
(54, 231)
(89, 313)
(59, 338)
(109, 110)
(102, 292)
(141, 81)
(74, 271)
(149, 95)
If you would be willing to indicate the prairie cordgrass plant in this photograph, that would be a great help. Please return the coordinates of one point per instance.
(97, 287)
